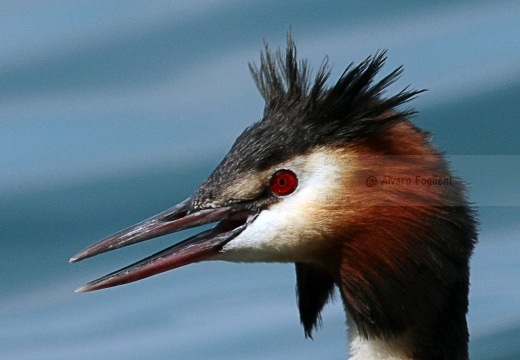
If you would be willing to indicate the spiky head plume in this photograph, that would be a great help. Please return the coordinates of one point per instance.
(303, 113)
(354, 101)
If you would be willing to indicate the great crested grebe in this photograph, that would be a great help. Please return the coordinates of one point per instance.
(338, 181)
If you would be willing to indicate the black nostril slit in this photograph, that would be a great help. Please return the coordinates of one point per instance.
(175, 216)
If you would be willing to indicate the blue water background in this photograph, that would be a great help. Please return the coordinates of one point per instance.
(113, 111)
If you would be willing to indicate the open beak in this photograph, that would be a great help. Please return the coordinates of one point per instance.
(233, 220)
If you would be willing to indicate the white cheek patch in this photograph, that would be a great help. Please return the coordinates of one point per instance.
(291, 229)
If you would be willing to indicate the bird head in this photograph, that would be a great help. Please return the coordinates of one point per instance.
(295, 187)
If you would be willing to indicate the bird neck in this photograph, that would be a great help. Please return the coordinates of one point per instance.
(403, 268)
(361, 348)
(398, 251)
(421, 344)
(405, 284)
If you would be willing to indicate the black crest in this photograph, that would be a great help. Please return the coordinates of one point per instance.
(302, 112)
(354, 106)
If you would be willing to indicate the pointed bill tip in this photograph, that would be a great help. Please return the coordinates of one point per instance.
(82, 289)
(83, 254)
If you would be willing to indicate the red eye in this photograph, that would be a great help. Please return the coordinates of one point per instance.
(283, 182)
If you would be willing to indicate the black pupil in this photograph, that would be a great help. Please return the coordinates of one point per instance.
(282, 182)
